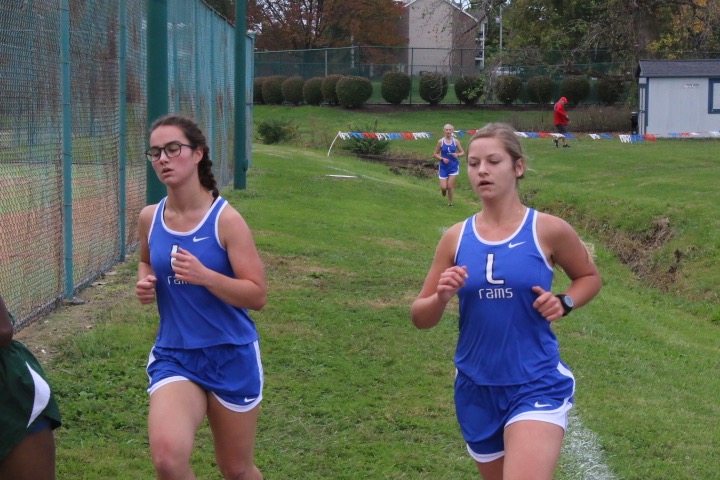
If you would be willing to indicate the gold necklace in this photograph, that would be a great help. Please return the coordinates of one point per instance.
(510, 219)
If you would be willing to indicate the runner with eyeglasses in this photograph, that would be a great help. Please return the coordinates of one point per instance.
(199, 262)
(172, 150)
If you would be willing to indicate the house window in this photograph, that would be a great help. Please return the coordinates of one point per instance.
(714, 96)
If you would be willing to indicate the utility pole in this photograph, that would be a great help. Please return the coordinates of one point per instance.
(499, 21)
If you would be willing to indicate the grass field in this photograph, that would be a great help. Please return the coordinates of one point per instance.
(352, 389)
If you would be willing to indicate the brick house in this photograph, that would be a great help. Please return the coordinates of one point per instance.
(441, 37)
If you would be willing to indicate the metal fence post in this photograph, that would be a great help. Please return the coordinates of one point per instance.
(241, 161)
(67, 148)
(157, 82)
(122, 127)
(412, 70)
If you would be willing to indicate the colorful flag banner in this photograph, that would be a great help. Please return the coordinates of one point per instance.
(624, 138)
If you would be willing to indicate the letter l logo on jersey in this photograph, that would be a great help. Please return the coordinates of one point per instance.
(489, 271)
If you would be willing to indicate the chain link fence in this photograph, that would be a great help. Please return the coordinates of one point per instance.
(490, 63)
(73, 108)
(373, 62)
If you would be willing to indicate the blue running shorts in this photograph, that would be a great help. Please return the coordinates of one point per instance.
(483, 412)
(233, 373)
(446, 170)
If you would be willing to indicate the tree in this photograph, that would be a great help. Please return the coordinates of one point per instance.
(683, 26)
(641, 28)
(305, 24)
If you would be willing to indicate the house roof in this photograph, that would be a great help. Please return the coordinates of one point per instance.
(679, 68)
(407, 3)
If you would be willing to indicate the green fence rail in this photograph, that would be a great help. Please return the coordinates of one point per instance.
(73, 129)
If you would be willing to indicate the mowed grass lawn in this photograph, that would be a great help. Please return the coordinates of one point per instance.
(354, 391)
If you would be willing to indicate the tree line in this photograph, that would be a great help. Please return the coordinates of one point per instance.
(628, 30)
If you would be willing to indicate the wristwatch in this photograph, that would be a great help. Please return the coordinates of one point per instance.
(566, 302)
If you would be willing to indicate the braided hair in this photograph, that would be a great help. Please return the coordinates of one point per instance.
(197, 139)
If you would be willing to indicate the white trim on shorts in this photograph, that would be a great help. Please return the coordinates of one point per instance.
(556, 417)
(449, 175)
(165, 381)
(230, 406)
(246, 408)
(485, 458)
(238, 408)
(42, 394)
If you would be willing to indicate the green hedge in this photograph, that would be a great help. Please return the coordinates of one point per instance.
(272, 89)
(292, 90)
(353, 92)
(328, 88)
(395, 87)
(469, 89)
(312, 91)
(540, 89)
(433, 87)
(576, 88)
(508, 88)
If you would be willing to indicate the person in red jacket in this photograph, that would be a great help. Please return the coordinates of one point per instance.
(561, 121)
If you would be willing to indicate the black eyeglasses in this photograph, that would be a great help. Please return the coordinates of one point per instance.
(171, 150)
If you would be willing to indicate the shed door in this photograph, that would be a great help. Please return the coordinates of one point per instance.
(642, 109)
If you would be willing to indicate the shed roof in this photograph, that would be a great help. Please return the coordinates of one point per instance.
(679, 68)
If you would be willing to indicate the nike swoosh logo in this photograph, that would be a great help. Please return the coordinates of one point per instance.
(513, 245)
(541, 405)
(248, 400)
(196, 239)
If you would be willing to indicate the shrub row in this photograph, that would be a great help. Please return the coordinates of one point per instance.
(348, 91)
(353, 91)
(576, 88)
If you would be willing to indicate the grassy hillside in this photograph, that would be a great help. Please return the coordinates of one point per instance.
(651, 203)
(352, 389)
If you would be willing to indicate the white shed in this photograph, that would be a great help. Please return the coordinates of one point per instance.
(679, 96)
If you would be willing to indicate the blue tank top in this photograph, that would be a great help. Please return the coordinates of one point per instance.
(190, 315)
(503, 340)
(446, 150)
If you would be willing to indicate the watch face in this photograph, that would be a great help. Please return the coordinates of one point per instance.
(568, 301)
